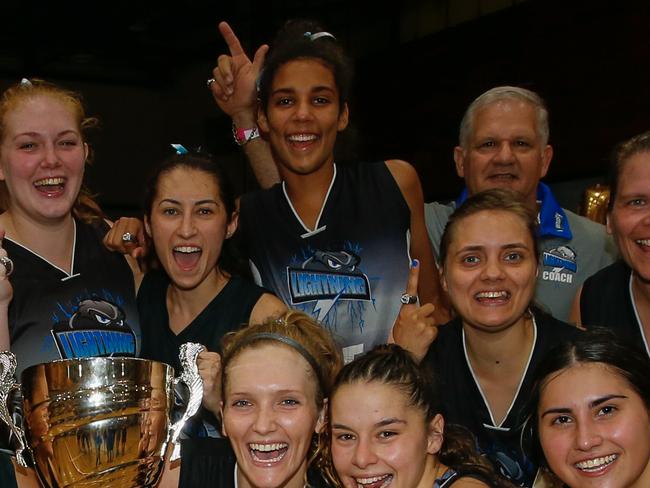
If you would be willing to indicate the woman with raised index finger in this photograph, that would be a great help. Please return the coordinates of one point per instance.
(484, 358)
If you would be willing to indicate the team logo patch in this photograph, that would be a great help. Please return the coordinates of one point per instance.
(97, 328)
(563, 260)
(326, 277)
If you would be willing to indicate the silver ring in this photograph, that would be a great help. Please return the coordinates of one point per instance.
(407, 299)
(128, 237)
(8, 264)
(210, 81)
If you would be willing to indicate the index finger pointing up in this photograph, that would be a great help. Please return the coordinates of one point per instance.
(231, 39)
(414, 275)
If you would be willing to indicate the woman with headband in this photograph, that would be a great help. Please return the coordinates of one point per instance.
(276, 379)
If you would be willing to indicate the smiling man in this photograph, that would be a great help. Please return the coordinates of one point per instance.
(504, 144)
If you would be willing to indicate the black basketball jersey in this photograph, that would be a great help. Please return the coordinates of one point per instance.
(58, 315)
(228, 310)
(464, 403)
(350, 271)
(606, 301)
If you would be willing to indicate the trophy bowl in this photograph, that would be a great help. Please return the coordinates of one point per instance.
(95, 422)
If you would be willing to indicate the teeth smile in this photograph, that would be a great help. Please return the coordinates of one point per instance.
(596, 463)
(302, 137)
(49, 182)
(492, 294)
(281, 448)
(361, 482)
(643, 242)
(187, 249)
(268, 447)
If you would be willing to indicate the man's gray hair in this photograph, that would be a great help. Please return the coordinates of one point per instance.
(498, 94)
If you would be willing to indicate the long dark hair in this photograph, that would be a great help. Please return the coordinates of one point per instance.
(390, 364)
(596, 345)
(230, 260)
(295, 40)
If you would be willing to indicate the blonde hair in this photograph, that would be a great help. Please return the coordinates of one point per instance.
(298, 331)
(85, 208)
(307, 337)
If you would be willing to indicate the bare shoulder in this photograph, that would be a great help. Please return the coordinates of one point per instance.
(268, 306)
(407, 179)
(401, 170)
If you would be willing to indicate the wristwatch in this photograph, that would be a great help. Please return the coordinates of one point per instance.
(242, 136)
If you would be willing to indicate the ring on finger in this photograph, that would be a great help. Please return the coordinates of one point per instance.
(210, 81)
(407, 299)
(8, 264)
(128, 237)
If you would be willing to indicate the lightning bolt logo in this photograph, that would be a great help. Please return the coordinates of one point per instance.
(322, 307)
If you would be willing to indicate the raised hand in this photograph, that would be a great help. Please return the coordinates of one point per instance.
(209, 365)
(127, 236)
(235, 76)
(415, 327)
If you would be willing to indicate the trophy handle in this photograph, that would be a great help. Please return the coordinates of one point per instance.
(7, 385)
(191, 378)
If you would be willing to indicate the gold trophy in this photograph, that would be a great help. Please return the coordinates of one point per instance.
(596, 200)
(98, 421)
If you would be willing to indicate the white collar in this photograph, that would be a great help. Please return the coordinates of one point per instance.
(636, 314)
(68, 274)
(309, 232)
(494, 425)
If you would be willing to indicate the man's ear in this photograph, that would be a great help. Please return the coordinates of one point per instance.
(436, 434)
(321, 423)
(547, 155)
(459, 159)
